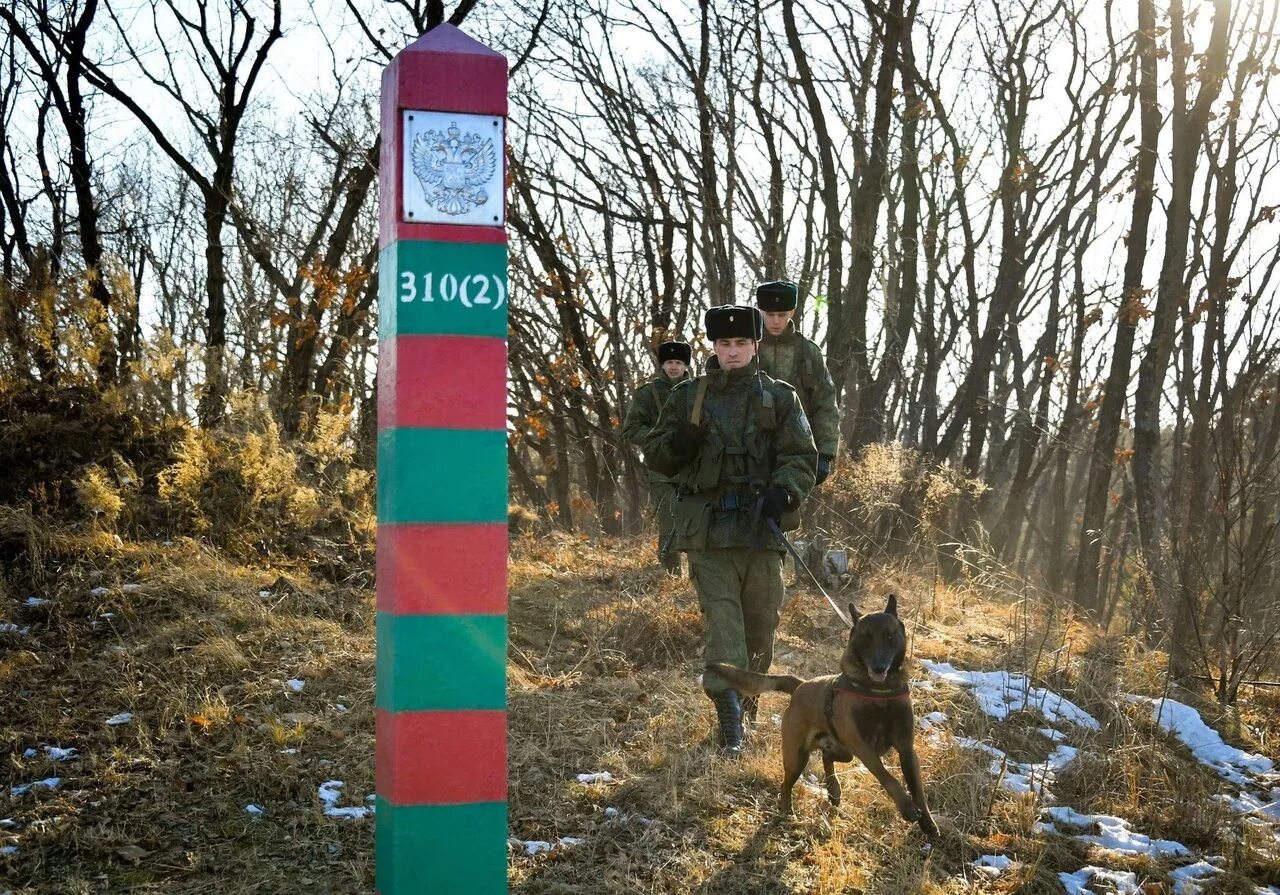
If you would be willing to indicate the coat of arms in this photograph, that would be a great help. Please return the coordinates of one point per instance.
(453, 168)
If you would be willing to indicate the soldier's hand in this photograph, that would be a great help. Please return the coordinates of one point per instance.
(687, 437)
(775, 501)
(824, 468)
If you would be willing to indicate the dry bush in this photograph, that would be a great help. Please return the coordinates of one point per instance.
(247, 490)
(890, 502)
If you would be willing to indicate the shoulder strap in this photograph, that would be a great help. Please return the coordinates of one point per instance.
(696, 416)
(656, 392)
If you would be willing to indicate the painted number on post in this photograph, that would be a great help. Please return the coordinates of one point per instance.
(472, 290)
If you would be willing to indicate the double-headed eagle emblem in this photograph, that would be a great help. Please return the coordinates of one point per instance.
(454, 168)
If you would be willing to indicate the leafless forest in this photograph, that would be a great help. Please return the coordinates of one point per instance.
(1038, 241)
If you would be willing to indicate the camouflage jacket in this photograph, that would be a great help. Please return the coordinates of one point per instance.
(796, 360)
(642, 414)
(758, 437)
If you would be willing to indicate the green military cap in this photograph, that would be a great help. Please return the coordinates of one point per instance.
(777, 295)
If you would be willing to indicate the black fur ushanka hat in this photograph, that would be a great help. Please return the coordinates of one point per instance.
(734, 322)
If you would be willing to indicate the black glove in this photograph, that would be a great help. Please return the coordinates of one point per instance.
(775, 501)
(824, 469)
(687, 438)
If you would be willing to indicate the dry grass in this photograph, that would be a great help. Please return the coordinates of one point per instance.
(200, 660)
(603, 667)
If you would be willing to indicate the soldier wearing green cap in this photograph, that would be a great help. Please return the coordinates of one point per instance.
(646, 404)
(738, 445)
(787, 355)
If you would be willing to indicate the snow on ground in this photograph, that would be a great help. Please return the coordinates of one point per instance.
(537, 846)
(1244, 769)
(1114, 834)
(992, 865)
(597, 777)
(1018, 776)
(1185, 723)
(932, 720)
(1253, 803)
(11, 628)
(46, 783)
(1186, 879)
(122, 718)
(331, 792)
(1000, 693)
(1078, 883)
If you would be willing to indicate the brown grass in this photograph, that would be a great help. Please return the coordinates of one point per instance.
(603, 676)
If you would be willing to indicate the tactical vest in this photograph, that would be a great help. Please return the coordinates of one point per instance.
(706, 490)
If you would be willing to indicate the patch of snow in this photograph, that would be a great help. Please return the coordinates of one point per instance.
(1252, 803)
(37, 601)
(1019, 776)
(264, 594)
(537, 846)
(1056, 736)
(1186, 879)
(29, 753)
(1205, 743)
(255, 810)
(122, 718)
(1114, 834)
(1078, 883)
(932, 720)
(11, 628)
(1000, 693)
(330, 792)
(131, 588)
(596, 777)
(8, 851)
(614, 815)
(992, 865)
(295, 684)
(56, 754)
(46, 783)
(339, 707)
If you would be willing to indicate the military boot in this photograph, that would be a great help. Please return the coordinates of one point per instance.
(729, 714)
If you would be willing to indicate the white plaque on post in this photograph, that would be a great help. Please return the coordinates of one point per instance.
(453, 169)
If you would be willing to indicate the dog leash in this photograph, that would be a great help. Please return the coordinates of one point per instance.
(777, 533)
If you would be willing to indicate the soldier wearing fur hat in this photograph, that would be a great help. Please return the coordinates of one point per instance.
(787, 355)
(738, 445)
(646, 403)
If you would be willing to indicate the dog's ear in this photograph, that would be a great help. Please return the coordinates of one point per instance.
(854, 614)
(892, 606)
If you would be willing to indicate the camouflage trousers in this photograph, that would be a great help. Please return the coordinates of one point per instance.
(740, 594)
(663, 495)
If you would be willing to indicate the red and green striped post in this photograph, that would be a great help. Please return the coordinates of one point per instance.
(442, 472)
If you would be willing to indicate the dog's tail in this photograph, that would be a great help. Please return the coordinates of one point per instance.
(748, 683)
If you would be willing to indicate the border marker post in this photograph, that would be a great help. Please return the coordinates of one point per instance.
(442, 471)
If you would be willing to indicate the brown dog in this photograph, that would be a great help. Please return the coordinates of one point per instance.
(860, 712)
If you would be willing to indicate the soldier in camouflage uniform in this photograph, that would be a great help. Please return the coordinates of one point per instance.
(739, 447)
(787, 355)
(646, 404)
